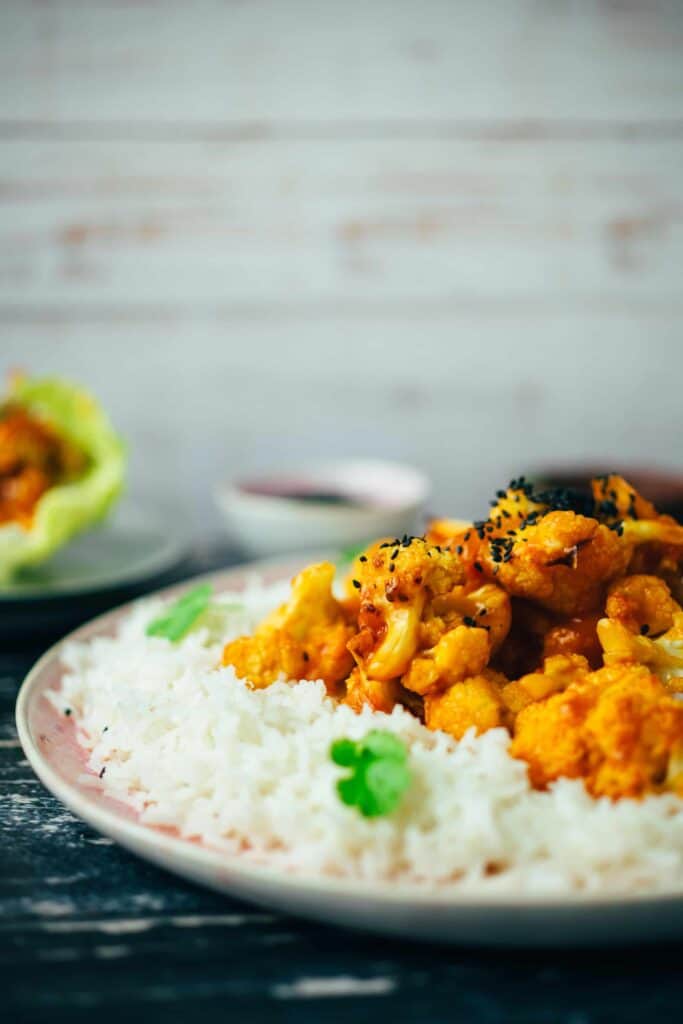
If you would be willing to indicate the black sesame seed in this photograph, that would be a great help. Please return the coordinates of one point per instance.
(104, 768)
(356, 584)
(458, 549)
(478, 566)
(469, 621)
(644, 629)
(67, 711)
(306, 656)
(394, 554)
(362, 558)
(392, 567)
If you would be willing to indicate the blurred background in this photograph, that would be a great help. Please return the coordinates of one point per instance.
(264, 231)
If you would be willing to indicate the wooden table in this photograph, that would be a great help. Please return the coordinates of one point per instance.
(88, 931)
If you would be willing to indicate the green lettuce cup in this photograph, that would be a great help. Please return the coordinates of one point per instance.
(74, 504)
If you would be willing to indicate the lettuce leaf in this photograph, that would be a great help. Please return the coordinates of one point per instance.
(67, 508)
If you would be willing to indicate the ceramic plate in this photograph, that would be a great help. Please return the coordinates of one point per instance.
(439, 914)
(135, 550)
(134, 545)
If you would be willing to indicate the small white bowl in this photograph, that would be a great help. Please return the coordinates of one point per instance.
(324, 505)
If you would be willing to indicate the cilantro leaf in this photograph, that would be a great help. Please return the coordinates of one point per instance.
(343, 753)
(174, 623)
(384, 744)
(385, 783)
(379, 772)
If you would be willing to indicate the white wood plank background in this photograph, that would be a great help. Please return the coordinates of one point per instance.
(240, 61)
(263, 231)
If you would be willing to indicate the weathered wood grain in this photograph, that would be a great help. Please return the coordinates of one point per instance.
(262, 61)
(325, 222)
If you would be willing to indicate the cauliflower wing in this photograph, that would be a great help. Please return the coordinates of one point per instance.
(461, 652)
(644, 625)
(476, 702)
(562, 561)
(655, 541)
(395, 581)
(618, 729)
(306, 638)
(379, 694)
(559, 671)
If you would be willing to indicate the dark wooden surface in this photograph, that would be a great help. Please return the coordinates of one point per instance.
(89, 932)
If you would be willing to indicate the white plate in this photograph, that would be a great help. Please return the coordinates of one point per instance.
(439, 914)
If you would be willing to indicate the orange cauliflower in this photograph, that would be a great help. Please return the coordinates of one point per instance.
(306, 638)
(618, 729)
(475, 702)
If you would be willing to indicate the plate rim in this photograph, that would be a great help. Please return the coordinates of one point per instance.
(176, 547)
(163, 849)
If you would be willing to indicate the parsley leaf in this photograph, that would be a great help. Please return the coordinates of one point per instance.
(379, 772)
(174, 623)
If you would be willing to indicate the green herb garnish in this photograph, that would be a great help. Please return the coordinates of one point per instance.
(176, 620)
(379, 772)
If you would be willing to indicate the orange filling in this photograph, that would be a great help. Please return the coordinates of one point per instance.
(33, 458)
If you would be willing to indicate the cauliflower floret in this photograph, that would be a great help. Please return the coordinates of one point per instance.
(644, 625)
(664, 654)
(575, 635)
(559, 672)
(420, 625)
(561, 562)
(306, 638)
(461, 652)
(643, 604)
(655, 541)
(266, 655)
(617, 729)
(395, 581)
(379, 694)
(475, 702)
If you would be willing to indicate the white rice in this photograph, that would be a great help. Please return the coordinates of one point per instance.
(191, 746)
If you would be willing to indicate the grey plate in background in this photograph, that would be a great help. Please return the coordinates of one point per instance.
(127, 554)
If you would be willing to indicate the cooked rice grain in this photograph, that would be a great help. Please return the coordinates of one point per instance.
(191, 746)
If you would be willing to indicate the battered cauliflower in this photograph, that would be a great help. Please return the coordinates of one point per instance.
(306, 638)
(396, 581)
(562, 562)
(559, 672)
(476, 702)
(554, 618)
(618, 729)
